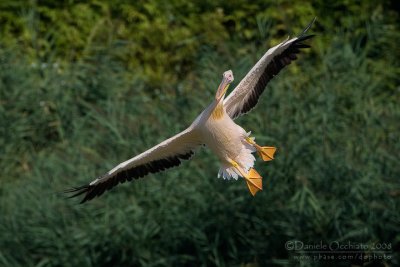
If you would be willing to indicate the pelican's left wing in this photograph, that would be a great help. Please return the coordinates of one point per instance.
(162, 156)
(245, 96)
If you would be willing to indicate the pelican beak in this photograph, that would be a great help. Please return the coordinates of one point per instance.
(227, 78)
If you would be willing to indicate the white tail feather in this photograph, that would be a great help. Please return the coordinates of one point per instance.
(245, 159)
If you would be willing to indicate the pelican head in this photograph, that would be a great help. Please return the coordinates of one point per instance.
(227, 78)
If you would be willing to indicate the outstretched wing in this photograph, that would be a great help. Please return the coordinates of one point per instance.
(165, 155)
(246, 94)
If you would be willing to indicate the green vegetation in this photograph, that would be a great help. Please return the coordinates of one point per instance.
(85, 85)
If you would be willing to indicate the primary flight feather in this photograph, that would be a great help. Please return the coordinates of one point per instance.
(214, 127)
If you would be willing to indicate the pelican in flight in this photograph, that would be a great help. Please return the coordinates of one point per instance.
(214, 127)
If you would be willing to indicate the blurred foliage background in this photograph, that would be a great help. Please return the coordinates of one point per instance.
(85, 85)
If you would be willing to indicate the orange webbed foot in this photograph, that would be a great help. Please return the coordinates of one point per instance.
(266, 152)
(254, 181)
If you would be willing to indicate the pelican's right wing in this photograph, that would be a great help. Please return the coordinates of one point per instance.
(165, 155)
(246, 94)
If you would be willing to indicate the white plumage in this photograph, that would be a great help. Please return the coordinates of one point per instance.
(214, 127)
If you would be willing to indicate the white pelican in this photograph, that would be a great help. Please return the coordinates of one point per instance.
(214, 127)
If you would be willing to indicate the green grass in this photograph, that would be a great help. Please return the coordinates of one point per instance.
(334, 117)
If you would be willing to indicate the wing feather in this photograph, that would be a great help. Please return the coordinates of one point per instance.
(163, 156)
(246, 94)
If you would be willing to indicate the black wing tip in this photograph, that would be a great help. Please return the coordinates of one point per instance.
(308, 27)
(77, 191)
(304, 37)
